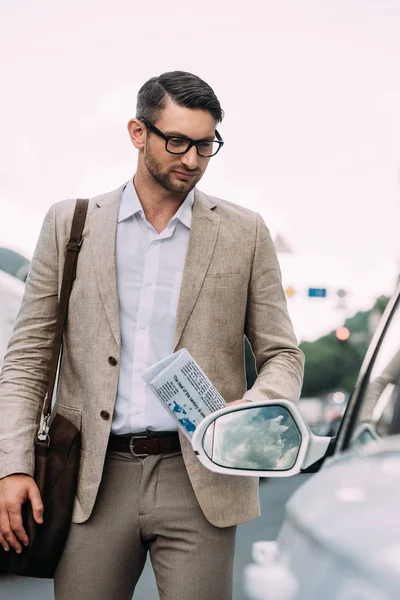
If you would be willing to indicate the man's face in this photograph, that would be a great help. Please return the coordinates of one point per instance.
(178, 173)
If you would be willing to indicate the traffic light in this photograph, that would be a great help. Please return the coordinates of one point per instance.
(342, 334)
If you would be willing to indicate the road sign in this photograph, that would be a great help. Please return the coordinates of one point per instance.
(317, 292)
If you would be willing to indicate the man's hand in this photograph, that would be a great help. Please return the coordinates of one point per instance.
(15, 490)
(243, 401)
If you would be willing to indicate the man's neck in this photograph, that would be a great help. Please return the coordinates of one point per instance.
(159, 205)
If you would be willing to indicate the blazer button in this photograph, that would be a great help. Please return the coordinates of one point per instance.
(112, 361)
(105, 415)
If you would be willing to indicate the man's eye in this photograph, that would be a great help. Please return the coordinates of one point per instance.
(205, 145)
(177, 142)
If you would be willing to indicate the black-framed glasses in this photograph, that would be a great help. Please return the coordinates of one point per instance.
(180, 145)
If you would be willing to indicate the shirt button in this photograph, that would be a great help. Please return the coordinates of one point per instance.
(112, 361)
(105, 415)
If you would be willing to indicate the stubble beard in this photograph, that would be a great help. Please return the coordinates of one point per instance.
(164, 178)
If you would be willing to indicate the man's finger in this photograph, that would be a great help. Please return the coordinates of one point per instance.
(3, 524)
(8, 534)
(36, 502)
(17, 526)
(4, 543)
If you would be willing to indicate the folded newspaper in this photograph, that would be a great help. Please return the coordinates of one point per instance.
(184, 389)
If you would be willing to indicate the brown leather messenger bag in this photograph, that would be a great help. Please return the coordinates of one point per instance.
(57, 450)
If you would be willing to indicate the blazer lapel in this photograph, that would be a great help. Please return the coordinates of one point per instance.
(103, 229)
(203, 236)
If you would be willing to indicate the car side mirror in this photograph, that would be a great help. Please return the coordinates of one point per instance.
(267, 439)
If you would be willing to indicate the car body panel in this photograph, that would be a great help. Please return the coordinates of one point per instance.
(331, 527)
(331, 544)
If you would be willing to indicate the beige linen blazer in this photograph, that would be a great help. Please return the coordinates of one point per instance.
(231, 286)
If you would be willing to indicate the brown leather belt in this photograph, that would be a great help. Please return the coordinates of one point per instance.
(141, 445)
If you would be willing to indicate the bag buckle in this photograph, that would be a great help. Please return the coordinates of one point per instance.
(131, 450)
(74, 246)
(43, 435)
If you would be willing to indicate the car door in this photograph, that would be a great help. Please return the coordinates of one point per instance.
(373, 411)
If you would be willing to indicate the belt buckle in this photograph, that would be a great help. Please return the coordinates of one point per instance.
(131, 450)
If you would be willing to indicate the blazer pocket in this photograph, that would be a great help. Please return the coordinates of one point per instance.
(223, 279)
(221, 308)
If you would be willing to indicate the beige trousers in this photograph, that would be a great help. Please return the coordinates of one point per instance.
(146, 505)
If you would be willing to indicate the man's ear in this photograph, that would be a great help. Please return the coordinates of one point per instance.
(137, 133)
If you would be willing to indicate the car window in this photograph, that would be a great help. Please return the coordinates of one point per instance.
(379, 408)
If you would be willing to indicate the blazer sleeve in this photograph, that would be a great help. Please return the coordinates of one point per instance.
(279, 361)
(24, 377)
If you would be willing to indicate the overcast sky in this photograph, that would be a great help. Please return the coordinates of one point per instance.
(311, 92)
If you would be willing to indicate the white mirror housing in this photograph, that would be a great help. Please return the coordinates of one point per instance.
(311, 448)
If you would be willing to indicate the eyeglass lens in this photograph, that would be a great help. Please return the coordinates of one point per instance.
(180, 146)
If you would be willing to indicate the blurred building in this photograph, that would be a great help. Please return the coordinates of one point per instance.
(338, 292)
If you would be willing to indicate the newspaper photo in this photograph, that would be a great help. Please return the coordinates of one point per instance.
(184, 389)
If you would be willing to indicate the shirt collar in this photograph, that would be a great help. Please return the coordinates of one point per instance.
(130, 205)
(184, 212)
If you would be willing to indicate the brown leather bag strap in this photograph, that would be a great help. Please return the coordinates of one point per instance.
(73, 248)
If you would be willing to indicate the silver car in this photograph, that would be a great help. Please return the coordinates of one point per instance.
(341, 536)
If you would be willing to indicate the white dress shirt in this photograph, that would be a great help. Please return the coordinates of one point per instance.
(149, 275)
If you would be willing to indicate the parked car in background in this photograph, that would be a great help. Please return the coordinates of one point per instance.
(14, 263)
(324, 414)
(313, 412)
(341, 536)
(11, 292)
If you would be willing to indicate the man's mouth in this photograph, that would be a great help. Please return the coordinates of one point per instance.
(184, 174)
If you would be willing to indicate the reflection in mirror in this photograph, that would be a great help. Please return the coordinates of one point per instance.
(261, 438)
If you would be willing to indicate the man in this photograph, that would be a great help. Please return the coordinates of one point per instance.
(163, 266)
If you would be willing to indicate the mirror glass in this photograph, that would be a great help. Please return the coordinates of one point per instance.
(264, 438)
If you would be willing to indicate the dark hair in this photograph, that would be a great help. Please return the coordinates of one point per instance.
(185, 89)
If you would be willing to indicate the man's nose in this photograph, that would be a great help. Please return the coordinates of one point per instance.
(190, 159)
